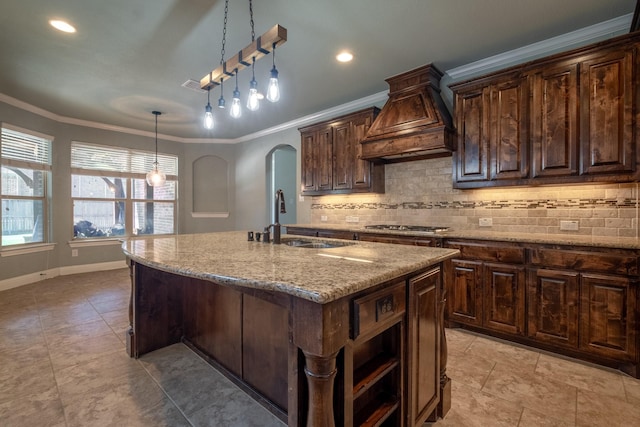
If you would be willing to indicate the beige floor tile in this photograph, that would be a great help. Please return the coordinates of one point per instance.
(64, 355)
(594, 409)
(78, 332)
(65, 315)
(504, 354)
(42, 409)
(632, 389)
(471, 370)
(475, 408)
(536, 419)
(115, 405)
(25, 372)
(535, 392)
(458, 341)
(581, 375)
(109, 369)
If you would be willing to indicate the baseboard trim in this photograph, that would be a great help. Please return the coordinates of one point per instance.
(27, 279)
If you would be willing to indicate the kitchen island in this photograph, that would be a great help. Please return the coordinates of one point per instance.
(323, 333)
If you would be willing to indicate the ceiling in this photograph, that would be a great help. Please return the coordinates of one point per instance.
(130, 57)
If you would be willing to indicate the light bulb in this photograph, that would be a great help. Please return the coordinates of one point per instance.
(236, 108)
(252, 102)
(273, 90)
(156, 178)
(208, 117)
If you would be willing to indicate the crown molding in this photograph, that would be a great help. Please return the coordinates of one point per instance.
(591, 34)
(581, 37)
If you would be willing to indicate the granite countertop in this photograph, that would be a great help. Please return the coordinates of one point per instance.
(559, 239)
(319, 275)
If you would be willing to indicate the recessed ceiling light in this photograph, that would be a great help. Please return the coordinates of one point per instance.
(344, 56)
(63, 26)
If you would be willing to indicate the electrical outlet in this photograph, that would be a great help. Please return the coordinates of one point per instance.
(74, 252)
(485, 222)
(569, 225)
(353, 219)
(300, 198)
(323, 218)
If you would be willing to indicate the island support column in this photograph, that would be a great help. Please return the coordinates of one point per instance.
(320, 331)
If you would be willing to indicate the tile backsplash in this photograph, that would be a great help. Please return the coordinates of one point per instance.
(420, 193)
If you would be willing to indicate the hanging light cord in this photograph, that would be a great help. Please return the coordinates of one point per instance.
(253, 33)
(224, 30)
(156, 113)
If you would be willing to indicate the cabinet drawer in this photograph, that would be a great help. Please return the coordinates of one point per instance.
(378, 309)
(482, 251)
(613, 263)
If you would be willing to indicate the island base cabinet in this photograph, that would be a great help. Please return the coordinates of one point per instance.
(424, 374)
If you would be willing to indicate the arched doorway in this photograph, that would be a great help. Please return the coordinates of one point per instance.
(281, 174)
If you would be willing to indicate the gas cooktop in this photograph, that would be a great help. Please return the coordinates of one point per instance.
(418, 228)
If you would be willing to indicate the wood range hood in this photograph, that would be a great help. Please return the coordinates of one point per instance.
(414, 123)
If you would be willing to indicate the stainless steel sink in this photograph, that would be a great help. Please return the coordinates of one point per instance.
(302, 243)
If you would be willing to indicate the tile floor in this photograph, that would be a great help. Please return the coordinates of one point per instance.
(63, 363)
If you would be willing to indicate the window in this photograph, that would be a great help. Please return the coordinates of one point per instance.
(25, 163)
(111, 196)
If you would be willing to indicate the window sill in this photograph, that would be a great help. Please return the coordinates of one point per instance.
(84, 243)
(29, 249)
(209, 214)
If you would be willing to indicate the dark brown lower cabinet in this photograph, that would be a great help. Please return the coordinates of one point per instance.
(581, 301)
(608, 316)
(504, 291)
(465, 291)
(553, 307)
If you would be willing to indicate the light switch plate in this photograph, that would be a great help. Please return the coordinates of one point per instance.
(485, 222)
(569, 225)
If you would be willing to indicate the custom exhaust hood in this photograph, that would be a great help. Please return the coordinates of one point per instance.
(414, 123)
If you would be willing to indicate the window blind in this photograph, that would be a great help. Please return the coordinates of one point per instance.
(111, 159)
(24, 148)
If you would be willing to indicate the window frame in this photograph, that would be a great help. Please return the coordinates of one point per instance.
(42, 162)
(133, 173)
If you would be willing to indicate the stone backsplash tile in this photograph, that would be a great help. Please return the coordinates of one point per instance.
(420, 192)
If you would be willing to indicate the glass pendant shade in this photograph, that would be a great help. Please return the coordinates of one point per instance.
(253, 103)
(208, 117)
(273, 90)
(155, 177)
(236, 108)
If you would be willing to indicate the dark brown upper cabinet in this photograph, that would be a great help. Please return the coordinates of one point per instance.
(566, 118)
(331, 156)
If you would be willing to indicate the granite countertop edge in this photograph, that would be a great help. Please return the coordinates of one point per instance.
(332, 278)
(517, 237)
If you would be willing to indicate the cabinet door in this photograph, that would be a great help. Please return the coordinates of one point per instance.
(508, 139)
(606, 113)
(362, 169)
(554, 121)
(324, 160)
(308, 155)
(608, 318)
(343, 153)
(423, 346)
(504, 298)
(465, 291)
(472, 156)
(552, 310)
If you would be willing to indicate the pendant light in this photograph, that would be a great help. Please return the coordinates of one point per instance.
(273, 90)
(252, 101)
(258, 48)
(236, 108)
(155, 177)
(208, 115)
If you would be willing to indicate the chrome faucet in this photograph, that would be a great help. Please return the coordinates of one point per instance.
(276, 215)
